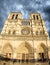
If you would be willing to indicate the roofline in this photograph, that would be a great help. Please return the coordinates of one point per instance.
(16, 12)
(35, 13)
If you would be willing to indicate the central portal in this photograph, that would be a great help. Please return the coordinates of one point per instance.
(24, 51)
(25, 56)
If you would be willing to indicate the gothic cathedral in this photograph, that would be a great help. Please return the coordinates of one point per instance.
(24, 38)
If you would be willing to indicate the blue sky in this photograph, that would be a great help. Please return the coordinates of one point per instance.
(25, 7)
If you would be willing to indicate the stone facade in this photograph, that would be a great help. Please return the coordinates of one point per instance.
(24, 38)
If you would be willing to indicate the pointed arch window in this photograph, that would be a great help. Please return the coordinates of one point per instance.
(42, 32)
(36, 32)
(37, 17)
(16, 16)
(13, 16)
(34, 17)
(9, 32)
(14, 32)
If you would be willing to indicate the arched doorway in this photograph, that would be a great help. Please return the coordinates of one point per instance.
(42, 52)
(8, 51)
(24, 51)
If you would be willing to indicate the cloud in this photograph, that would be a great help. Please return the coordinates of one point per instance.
(46, 11)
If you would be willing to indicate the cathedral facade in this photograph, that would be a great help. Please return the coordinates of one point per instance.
(24, 38)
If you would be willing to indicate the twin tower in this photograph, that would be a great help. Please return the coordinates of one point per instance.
(24, 38)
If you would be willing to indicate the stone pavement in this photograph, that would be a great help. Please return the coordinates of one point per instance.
(23, 63)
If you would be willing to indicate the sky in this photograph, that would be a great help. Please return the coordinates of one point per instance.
(25, 7)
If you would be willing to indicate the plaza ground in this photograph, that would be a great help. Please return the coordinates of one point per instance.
(3, 62)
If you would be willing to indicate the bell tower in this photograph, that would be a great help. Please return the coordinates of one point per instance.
(12, 24)
(38, 26)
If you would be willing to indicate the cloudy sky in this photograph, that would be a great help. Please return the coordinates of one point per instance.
(25, 7)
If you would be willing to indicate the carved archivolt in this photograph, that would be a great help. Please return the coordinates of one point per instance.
(7, 48)
(41, 48)
(24, 48)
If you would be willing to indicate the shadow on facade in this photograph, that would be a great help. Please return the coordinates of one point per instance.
(23, 60)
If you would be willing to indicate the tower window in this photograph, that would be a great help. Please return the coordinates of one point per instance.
(40, 32)
(34, 17)
(43, 32)
(16, 17)
(36, 32)
(37, 17)
(9, 32)
(13, 32)
(13, 16)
